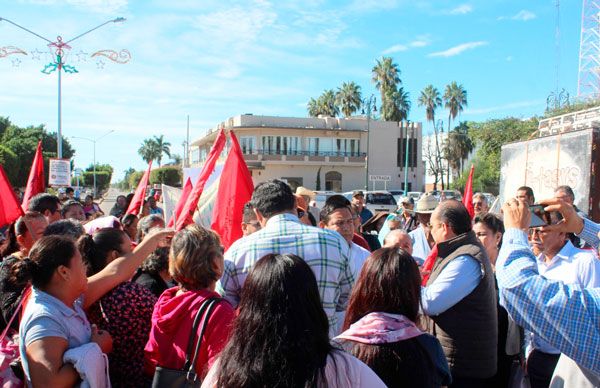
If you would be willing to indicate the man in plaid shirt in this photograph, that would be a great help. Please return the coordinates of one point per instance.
(325, 251)
(566, 316)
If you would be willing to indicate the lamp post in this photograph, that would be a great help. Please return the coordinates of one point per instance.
(370, 104)
(406, 160)
(59, 48)
(94, 142)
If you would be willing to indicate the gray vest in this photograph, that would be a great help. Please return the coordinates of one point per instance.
(468, 331)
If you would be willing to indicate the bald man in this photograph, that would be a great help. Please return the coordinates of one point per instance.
(398, 238)
(460, 297)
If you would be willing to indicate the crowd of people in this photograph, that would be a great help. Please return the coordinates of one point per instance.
(426, 296)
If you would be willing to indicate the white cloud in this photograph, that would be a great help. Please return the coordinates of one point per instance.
(461, 10)
(456, 50)
(524, 15)
(509, 58)
(420, 41)
(97, 6)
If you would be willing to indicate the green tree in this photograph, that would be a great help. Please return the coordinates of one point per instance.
(396, 105)
(385, 75)
(325, 105)
(314, 110)
(134, 179)
(455, 100)
(163, 146)
(348, 98)
(169, 175)
(458, 146)
(431, 100)
(149, 150)
(488, 137)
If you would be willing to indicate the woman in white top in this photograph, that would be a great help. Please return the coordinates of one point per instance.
(280, 337)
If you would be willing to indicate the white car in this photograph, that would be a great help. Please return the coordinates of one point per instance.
(321, 197)
(377, 201)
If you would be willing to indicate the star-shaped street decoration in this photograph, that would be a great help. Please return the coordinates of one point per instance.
(36, 54)
(16, 62)
(100, 64)
(82, 56)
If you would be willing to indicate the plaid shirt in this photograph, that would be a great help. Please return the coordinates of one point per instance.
(566, 316)
(325, 251)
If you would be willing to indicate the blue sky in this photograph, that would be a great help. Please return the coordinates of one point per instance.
(216, 59)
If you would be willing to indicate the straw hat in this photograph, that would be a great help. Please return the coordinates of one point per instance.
(426, 204)
(301, 190)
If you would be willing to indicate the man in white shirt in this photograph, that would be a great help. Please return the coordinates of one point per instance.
(559, 260)
(422, 240)
(338, 216)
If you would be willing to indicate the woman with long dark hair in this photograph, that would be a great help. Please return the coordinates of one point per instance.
(280, 337)
(381, 323)
(125, 311)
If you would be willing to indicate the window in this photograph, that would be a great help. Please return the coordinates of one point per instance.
(248, 144)
(195, 155)
(281, 145)
(348, 147)
(412, 152)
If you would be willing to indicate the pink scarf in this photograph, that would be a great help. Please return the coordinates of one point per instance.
(381, 328)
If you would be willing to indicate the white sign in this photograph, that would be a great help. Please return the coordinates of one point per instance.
(77, 172)
(380, 178)
(60, 172)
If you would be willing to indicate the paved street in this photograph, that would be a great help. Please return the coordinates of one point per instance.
(109, 199)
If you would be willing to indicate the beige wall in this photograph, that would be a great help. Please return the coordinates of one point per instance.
(383, 150)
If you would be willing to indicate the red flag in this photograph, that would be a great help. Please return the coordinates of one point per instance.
(428, 264)
(468, 197)
(35, 183)
(235, 190)
(187, 189)
(9, 205)
(135, 206)
(189, 208)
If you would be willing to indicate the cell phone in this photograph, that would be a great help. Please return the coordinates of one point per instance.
(540, 217)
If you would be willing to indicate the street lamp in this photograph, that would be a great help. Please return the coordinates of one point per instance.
(406, 159)
(94, 142)
(59, 46)
(370, 104)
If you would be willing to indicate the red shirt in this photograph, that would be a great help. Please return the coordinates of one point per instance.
(172, 321)
(360, 241)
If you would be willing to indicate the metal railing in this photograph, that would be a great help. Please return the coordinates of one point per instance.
(303, 153)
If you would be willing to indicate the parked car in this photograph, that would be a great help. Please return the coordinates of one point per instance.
(415, 195)
(397, 194)
(447, 194)
(377, 201)
(321, 197)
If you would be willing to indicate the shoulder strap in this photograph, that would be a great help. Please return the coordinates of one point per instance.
(190, 355)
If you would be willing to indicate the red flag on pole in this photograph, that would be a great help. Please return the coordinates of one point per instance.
(135, 206)
(35, 183)
(187, 213)
(187, 189)
(468, 197)
(9, 205)
(235, 190)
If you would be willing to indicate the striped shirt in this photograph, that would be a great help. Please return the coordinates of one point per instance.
(565, 316)
(325, 251)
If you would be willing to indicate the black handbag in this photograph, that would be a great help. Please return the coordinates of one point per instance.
(187, 377)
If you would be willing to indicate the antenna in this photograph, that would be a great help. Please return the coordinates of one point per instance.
(588, 84)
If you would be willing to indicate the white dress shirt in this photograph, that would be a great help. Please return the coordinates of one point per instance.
(421, 248)
(571, 265)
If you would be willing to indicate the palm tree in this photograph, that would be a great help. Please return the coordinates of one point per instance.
(386, 77)
(431, 100)
(348, 98)
(149, 150)
(327, 104)
(460, 140)
(163, 147)
(396, 105)
(455, 100)
(313, 107)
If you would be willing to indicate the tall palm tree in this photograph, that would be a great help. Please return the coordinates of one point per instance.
(396, 105)
(431, 100)
(455, 100)
(314, 110)
(163, 147)
(348, 98)
(149, 150)
(461, 141)
(385, 76)
(327, 104)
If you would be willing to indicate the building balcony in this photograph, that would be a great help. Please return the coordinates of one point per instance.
(304, 156)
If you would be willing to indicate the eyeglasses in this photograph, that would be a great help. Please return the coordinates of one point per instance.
(341, 223)
(301, 213)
